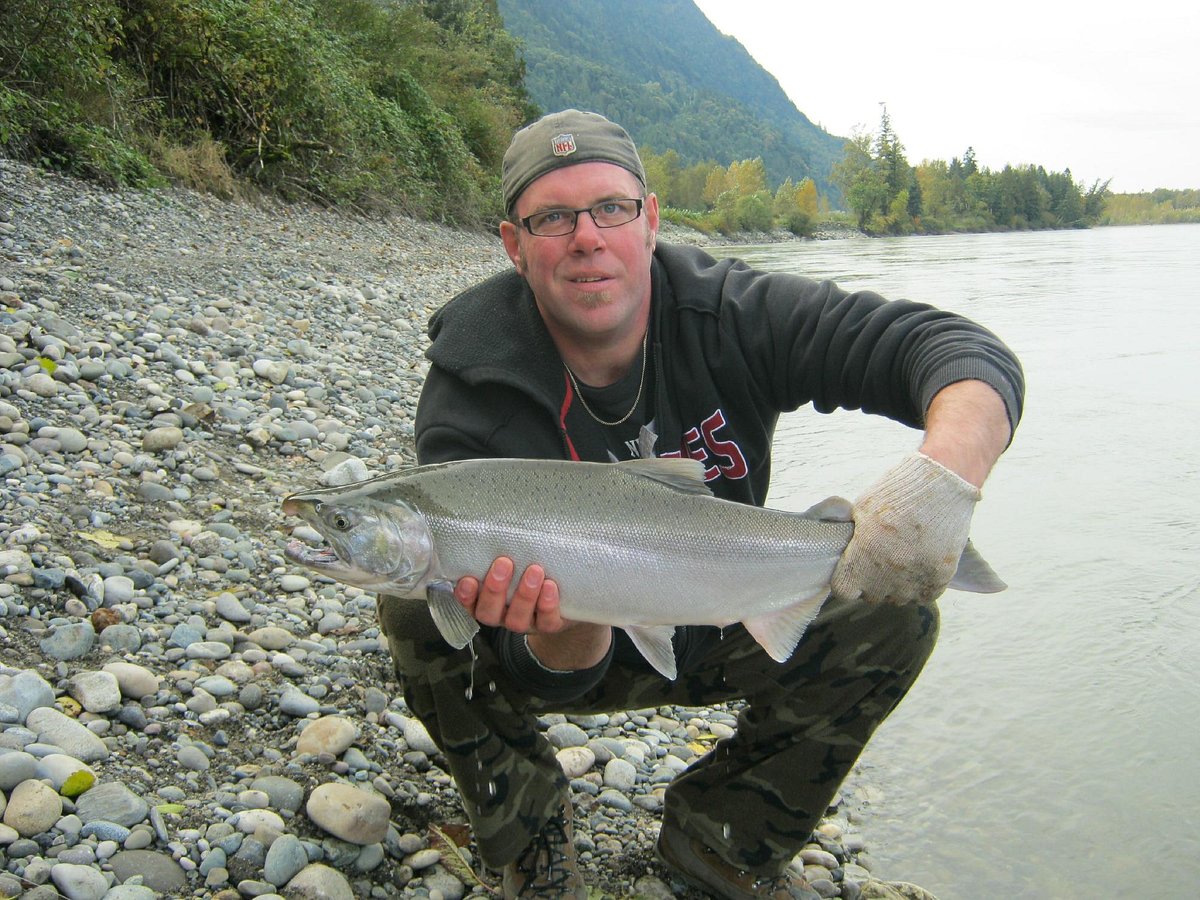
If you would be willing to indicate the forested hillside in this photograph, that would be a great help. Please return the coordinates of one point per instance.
(404, 106)
(667, 74)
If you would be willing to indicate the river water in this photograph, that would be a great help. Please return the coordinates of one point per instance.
(1051, 748)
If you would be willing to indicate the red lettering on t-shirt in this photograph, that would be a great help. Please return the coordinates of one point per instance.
(702, 443)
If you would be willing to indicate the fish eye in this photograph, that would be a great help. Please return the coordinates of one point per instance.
(341, 521)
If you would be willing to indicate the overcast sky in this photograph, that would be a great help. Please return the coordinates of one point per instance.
(1109, 91)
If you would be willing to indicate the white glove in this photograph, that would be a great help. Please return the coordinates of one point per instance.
(910, 528)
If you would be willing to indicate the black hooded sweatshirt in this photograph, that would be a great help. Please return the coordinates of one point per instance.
(730, 349)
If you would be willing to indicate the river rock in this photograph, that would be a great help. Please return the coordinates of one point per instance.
(25, 691)
(159, 872)
(118, 589)
(133, 680)
(53, 727)
(575, 761)
(285, 858)
(272, 637)
(283, 793)
(79, 882)
(417, 736)
(69, 641)
(158, 439)
(230, 608)
(33, 808)
(328, 734)
(97, 692)
(319, 882)
(294, 702)
(59, 768)
(131, 892)
(112, 802)
(15, 767)
(349, 813)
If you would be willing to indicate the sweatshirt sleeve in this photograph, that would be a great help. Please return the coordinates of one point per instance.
(525, 669)
(807, 341)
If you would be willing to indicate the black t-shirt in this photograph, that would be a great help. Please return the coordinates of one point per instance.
(612, 403)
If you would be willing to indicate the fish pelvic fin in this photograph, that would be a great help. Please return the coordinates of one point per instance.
(779, 632)
(654, 643)
(974, 574)
(454, 622)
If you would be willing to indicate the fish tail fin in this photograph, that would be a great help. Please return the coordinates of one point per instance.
(454, 622)
(779, 632)
(654, 643)
(974, 574)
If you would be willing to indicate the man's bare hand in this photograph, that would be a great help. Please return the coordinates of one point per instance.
(533, 610)
(533, 606)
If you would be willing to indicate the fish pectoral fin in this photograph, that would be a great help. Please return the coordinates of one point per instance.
(654, 643)
(454, 622)
(974, 574)
(779, 632)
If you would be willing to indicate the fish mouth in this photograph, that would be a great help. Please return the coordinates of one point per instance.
(314, 557)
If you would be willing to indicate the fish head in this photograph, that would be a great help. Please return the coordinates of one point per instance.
(371, 545)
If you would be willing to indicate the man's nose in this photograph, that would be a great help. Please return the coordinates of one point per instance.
(587, 232)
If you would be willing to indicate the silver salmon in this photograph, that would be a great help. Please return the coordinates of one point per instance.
(641, 545)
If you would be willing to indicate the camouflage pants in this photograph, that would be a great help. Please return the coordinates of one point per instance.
(754, 799)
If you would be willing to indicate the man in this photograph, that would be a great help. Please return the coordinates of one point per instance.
(597, 338)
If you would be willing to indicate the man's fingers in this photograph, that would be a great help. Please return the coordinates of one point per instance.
(533, 605)
(467, 592)
(549, 617)
(523, 605)
(491, 604)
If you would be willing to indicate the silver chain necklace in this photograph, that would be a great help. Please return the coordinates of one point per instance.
(636, 400)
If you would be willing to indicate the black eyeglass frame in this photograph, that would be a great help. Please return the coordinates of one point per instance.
(640, 203)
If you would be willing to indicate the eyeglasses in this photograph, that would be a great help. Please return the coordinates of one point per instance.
(606, 214)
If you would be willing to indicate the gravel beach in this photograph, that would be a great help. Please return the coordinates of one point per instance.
(182, 712)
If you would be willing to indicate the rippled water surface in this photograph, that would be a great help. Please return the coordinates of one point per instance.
(1051, 748)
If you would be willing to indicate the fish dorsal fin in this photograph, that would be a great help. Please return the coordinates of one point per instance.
(654, 643)
(974, 573)
(780, 632)
(454, 622)
(683, 475)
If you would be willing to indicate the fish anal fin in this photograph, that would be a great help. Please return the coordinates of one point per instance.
(654, 643)
(780, 632)
(974, 574)
(454, 622)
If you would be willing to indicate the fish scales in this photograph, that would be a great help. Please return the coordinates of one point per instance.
(614, 533)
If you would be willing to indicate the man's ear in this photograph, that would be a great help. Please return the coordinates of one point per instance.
(508, 234)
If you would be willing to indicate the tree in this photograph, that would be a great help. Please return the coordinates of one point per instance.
(857, 178)
(889, 154)
(748, 177)
(689, 189)
(796, 206)
(662, 175)
(715, 185)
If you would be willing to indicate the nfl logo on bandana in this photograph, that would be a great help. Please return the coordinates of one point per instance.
(563, 145)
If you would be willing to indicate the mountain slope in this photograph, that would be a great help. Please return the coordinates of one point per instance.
(669, 76)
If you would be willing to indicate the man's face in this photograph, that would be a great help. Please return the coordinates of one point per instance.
(592, 285)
